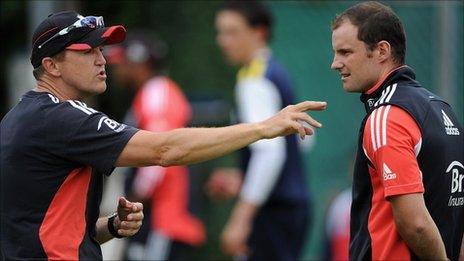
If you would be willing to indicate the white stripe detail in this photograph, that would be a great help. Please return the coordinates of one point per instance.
(365, 153)
(377, 126)
(100, 122)
(445, 120)
(448, 121)
(85, 106)
(384, 95)
(80, 107)
(54, 99)
(377, 102)
(418, 147)
(391, 93)
(372, 119)
(384, 126)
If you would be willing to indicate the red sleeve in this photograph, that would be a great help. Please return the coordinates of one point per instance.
(391, 141)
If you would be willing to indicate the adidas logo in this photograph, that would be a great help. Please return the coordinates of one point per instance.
(449, 126)
(387, 173)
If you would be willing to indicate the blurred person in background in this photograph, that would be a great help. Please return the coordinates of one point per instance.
(337, 222)
(159, 105)
(408, 184)
(270, 219)
(337, 227)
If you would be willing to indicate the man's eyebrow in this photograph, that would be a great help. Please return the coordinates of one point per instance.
(345, 49)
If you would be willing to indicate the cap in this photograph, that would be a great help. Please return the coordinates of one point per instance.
(72, 31)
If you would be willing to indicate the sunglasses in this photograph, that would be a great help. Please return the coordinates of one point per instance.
(92, 22)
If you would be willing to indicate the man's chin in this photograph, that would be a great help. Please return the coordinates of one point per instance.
(101, 91)
(348, 88)
(101, 88)
(231, 60)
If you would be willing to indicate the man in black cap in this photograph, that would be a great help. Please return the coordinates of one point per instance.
(55, 151)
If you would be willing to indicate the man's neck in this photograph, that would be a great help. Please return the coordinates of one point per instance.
(387, 70)
(261, 50)
(384, 73)
(45, 84)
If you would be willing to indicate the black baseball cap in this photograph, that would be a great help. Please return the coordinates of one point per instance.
(72, 31)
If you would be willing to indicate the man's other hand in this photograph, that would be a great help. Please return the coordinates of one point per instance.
(130, 217)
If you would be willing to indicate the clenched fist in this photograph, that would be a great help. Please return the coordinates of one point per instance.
(130, 217)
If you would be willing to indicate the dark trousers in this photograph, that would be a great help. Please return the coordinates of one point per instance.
(279, 232)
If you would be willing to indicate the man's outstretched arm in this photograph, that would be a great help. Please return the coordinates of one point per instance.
(192, 145)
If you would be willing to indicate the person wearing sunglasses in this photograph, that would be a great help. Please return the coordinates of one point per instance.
(55, 151)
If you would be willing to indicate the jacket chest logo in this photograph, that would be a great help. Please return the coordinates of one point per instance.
(449, 126)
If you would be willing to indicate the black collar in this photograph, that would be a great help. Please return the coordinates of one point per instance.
(403, 73)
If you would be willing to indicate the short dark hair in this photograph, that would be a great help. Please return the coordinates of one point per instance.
(39, 71)
(376, 22)
(256, 13)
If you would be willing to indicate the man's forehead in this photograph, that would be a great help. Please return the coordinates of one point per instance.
(230, 17)
(346, 29)
(346, 33)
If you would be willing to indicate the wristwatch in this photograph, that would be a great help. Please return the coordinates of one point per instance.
(111, 228)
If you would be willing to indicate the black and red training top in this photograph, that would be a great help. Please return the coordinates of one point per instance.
(54, 157)
(410, 142)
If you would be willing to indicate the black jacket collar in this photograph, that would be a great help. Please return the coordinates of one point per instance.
(403, 73)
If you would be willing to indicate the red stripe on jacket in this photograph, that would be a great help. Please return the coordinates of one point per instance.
(63, 227)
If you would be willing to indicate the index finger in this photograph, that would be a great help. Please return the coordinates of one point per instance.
(123, 202)
(311, 105)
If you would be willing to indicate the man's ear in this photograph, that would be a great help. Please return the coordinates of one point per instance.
(385, 51)
(50, 66)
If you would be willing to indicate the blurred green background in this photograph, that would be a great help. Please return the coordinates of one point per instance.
(301, 41)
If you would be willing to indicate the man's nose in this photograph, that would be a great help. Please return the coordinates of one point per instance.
(336, 64)
(100, 58)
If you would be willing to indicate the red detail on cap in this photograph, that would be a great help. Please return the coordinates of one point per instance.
(114, 54)
(79, 47)
(114, 34)
(44, 33)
